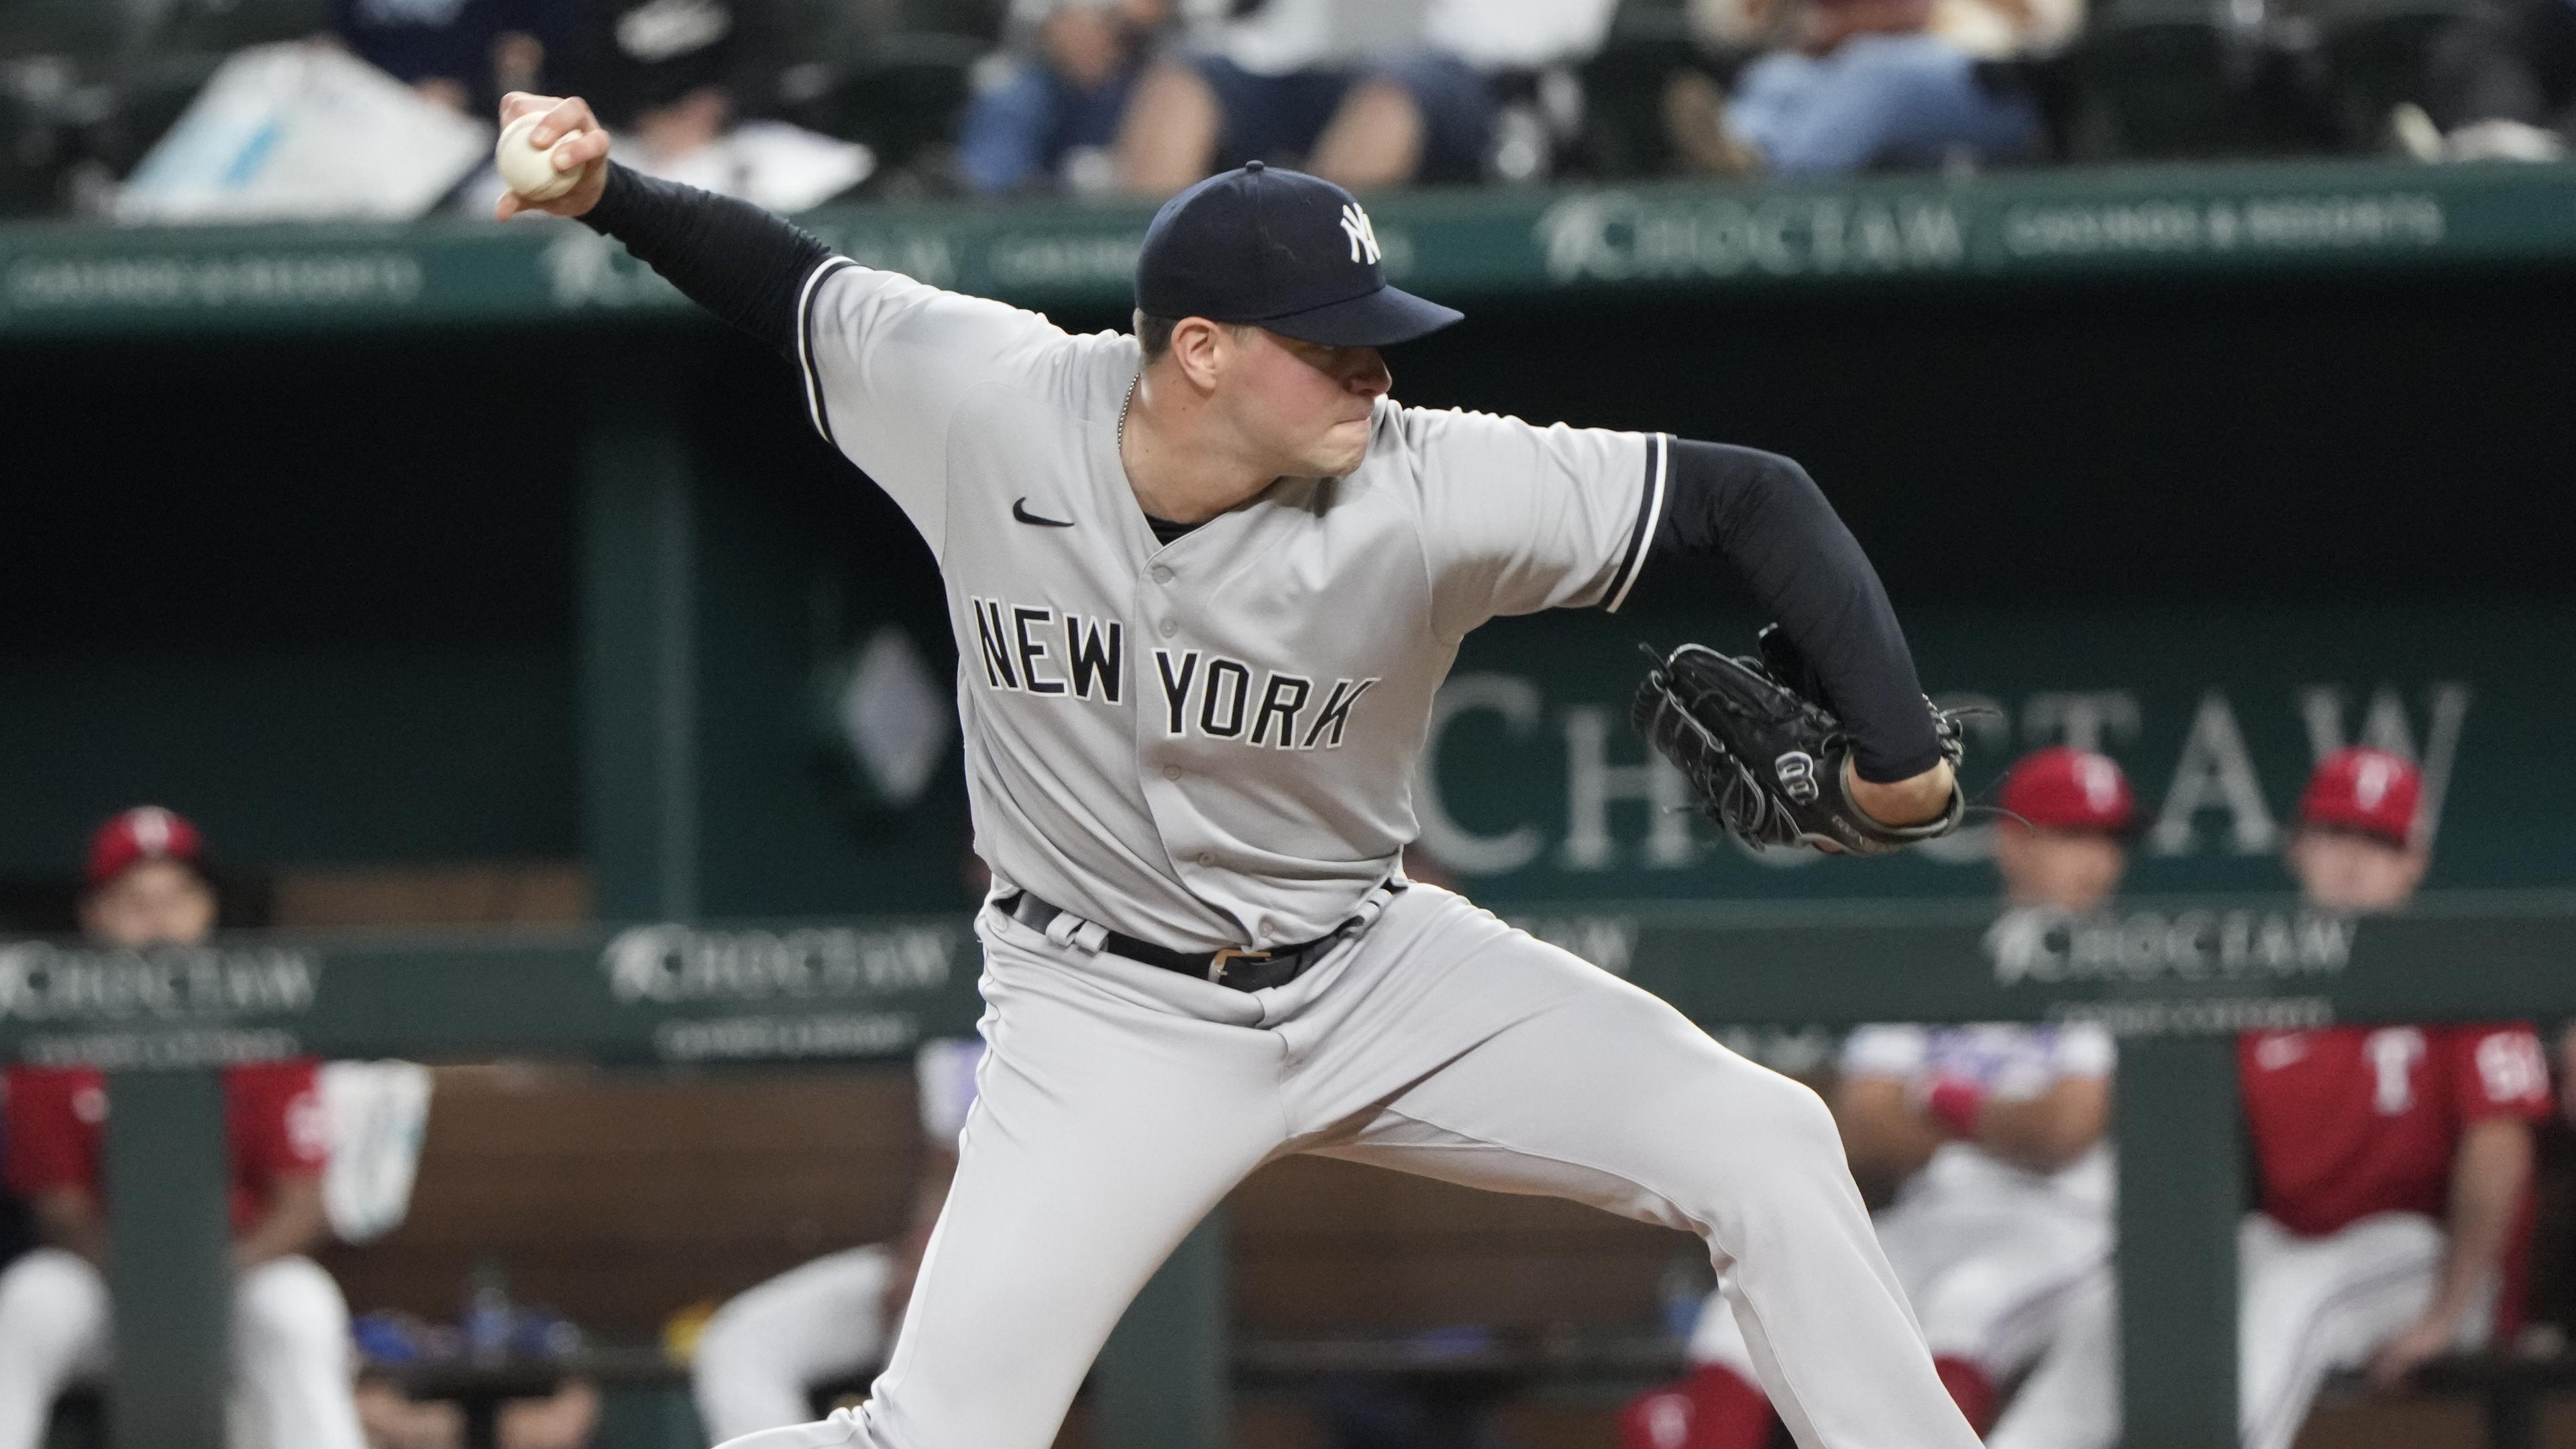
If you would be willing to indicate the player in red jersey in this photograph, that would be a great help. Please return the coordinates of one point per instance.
(2393, 1159)
(147, 887)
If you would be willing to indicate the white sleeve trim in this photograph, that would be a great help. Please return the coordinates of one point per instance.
(1650, 513)
(805, 357)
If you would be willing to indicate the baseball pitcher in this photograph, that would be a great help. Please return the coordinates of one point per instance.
(1204, 580)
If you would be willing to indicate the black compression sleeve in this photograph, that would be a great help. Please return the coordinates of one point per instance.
(1770, 520)
(730, 257)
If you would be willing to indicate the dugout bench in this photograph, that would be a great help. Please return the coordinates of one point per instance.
(2176, 978)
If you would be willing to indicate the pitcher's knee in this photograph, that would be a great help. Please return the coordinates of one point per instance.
(1767, 1140)
(1791, 1126)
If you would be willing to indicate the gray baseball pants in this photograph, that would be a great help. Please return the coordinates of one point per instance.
(1120, 1102)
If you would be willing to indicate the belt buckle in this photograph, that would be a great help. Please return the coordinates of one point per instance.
(1226, 954)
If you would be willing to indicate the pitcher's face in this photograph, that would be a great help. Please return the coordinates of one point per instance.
(1306, 404)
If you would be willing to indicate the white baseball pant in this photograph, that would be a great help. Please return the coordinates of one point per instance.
(2316, 1306)
(2071, 1400)
(762, 1354)
(1990, 1257)
(2307, 1307)
(1120, 1102)
(292, 1360)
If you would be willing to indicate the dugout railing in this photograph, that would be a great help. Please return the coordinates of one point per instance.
(2174, 977)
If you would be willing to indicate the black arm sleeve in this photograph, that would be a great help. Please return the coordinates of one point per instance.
(1767, 517)
(728, 256)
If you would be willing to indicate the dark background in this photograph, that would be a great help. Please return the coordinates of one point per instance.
(323, 593)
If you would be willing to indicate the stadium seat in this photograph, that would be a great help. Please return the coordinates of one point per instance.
(979, 18)
(1622, 134)
(83, 31)
(901, 96)
(29, 161)
(2371, 56)
(2180, 78)
(217, 26)
(150, 89)
(2054, 86)
(893, 77)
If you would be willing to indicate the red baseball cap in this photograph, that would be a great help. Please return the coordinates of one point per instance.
(146, 832)
(2370, 790)
(2064, 788)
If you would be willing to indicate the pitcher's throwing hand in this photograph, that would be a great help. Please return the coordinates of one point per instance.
(586, 151)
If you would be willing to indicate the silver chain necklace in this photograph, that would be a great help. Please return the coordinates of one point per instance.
(1123, 406)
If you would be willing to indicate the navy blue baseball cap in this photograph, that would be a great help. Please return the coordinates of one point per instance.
(1281, 250)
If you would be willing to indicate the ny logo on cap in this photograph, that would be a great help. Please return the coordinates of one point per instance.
(1355, 225)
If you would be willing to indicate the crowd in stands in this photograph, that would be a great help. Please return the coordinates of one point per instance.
(793, 102)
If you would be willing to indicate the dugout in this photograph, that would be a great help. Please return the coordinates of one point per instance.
(404, 546)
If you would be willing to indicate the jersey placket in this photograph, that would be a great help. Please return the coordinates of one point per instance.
(1165, 762)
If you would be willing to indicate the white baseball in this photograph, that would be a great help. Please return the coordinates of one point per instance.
(528, 170)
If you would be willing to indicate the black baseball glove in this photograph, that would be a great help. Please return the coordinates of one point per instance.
(1765, 757)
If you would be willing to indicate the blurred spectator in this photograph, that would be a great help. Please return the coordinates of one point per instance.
(147, 886)
(2393, 1161)
(565, 1418)
(675, 79)
(1348, 89)
(2407, 1245)
(1857, 84)
(766, 1351)
(2503, 86)
(1053, 118)
(1991, 1141)
(463, 54)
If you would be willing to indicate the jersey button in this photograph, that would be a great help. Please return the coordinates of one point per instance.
(1206, 859)
(1162, 575)
(1170, 628)
(1171, 772)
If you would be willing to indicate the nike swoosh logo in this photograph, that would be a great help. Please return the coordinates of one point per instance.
(2276, 1052)
(1020, 511)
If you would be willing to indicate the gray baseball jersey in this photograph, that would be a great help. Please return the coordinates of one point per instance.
(1210, 742)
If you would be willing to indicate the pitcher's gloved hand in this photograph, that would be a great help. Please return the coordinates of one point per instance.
(1766, 758)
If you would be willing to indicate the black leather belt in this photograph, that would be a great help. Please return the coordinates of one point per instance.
(1242, 970)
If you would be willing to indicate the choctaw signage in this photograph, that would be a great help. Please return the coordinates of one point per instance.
(170, 1006)
(44, 982)
(1534, 787)
(809, 993)
(2266, 946)
(671, 964)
